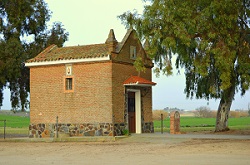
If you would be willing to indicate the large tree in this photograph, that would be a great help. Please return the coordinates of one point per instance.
(23, 34)
(211, 41)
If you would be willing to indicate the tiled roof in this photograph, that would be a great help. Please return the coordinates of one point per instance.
(53, 53)
(138, 81)
(125, 38)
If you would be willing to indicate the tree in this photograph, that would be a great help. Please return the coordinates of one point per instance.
(210, 39)
(19, 21)
(203, 112)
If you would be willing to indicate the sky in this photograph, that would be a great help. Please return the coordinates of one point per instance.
(89, 22)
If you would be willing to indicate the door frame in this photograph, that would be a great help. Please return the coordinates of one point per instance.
(137, 110)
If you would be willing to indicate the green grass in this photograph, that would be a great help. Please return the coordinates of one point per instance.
(9, 130)
(187, 129)
(191, 124)
(19, 124)
(14, 121)
(239, 121)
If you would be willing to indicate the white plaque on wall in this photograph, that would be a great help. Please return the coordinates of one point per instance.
(68, 70)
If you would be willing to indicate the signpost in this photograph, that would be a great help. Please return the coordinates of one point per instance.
(161, 123)
(4, 127)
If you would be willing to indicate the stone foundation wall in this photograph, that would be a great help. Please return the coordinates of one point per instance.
(87, 129)
(148, 127)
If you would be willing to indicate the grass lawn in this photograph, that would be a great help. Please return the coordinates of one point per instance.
(20, 124)
(14, 121)
(9, 130)
(191, 124)
(14, 124)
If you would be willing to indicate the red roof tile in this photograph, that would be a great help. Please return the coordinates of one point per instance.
(139, 81)
(53, 53)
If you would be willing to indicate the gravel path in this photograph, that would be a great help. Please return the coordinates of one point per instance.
(144, 149)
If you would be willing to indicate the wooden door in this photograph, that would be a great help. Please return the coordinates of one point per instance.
(131, 112)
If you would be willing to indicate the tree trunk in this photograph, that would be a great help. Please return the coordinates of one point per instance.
(224, 109)
(222, 116)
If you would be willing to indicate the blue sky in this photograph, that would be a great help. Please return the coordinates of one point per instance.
(89, 22)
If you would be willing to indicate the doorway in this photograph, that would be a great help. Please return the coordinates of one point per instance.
(134, 111)
(131, 111)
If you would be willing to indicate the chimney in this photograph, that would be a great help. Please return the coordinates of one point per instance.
(111, 41)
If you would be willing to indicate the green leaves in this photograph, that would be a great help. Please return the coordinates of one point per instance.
(210, 37)
(20, 19)
(57, 35)
(139, 65)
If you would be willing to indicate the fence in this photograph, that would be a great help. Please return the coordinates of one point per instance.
(13, 125)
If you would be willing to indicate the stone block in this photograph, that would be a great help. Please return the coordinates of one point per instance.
(99, 132)
(110, 133)
(86, 134)
(92, 132)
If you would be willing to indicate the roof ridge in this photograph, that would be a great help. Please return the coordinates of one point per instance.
(82, 45)
(72, 52)
(48, 49)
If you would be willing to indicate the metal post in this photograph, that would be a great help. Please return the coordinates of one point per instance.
(56, 126)
(127, 114)
(4, 125)
(128, 123)
(162, 123)
(113, 121)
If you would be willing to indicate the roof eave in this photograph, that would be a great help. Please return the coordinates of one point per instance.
(140, 85)
(82, 60)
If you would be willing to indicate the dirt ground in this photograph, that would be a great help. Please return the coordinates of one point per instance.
(137, 150)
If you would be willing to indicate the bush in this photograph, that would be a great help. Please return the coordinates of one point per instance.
(125, 132)
(237, 114)
(203, 112)
(157, 114)
(213, 114)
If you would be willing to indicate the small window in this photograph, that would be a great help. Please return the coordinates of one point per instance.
(69, 84)
(132, 52)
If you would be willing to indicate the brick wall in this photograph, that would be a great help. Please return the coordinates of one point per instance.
(124, 54)
(120, 73)
(147, 104)
(122, 69)
(90, 100)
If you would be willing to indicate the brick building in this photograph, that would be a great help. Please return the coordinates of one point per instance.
(91, 90)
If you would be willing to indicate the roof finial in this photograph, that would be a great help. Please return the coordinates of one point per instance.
(111, 40)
